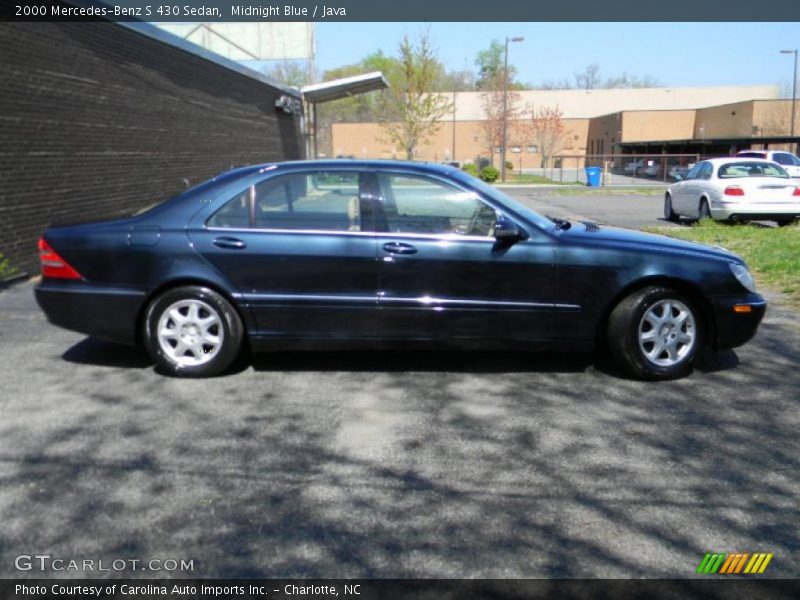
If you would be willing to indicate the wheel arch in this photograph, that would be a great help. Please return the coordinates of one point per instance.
(688, 288)
(182, 282)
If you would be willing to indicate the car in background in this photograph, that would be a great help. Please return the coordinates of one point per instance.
(735, 189)
(787, 160)
(354, 253)
(634, 167)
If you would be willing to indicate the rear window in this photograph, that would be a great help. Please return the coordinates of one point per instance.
(752, 154)
(751, 169)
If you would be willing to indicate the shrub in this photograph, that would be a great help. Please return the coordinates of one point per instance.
(489, 174)
(6, 270)
(509, 165)
(471, 169)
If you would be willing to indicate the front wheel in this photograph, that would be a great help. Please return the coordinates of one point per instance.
(669, 213)
(655, 333)
(192, 331)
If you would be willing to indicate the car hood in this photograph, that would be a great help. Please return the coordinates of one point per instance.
(593, 233)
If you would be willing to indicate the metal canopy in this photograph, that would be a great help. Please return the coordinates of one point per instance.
(343, 88)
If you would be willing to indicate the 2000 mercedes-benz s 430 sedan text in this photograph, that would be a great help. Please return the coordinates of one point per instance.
(329, 253)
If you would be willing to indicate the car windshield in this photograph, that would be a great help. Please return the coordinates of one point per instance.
(751, 169)
(502, 198)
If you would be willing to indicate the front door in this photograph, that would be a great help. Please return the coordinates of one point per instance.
(443, 275)
(301, 250)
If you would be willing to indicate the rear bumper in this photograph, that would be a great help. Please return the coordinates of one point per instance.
(102, 312)
(756, 211)
(736, 328)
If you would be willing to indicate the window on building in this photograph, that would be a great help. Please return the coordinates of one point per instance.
(419, 205)
(533, 149)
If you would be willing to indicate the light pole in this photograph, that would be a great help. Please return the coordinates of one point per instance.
(505, 107)
(794, 90)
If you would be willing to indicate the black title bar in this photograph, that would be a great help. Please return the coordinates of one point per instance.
(396, 10)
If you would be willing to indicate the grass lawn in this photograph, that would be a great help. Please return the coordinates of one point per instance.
(609, 191)
(531, 178)
(773, 254)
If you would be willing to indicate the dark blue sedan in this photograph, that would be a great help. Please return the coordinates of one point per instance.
(326, 254)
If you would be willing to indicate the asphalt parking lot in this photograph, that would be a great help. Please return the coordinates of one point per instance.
(622, 207)
(396, 464)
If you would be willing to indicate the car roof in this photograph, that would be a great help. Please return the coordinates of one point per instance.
(348, 163)
(726, 159)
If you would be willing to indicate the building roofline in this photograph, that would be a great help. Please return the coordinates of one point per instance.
(156, 33)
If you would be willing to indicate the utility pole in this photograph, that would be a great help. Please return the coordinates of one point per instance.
(794, 91)
(505, 108)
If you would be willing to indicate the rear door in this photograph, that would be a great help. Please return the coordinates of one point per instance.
(443, 275)
(300, 248)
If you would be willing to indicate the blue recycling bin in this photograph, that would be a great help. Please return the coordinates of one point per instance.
(593, 176)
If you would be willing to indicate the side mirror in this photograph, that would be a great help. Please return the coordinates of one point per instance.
(505, 230)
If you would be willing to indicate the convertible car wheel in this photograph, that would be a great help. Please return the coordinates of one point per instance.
(655, 333)
(192, 332)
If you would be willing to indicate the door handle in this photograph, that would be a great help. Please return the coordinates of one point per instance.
(399, 248)
(229, 242)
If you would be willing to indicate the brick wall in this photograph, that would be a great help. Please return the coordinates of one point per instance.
(97, 119)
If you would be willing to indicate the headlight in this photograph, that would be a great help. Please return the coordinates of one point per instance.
(743, 275)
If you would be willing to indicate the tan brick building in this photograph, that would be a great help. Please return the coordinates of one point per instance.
(601, 122)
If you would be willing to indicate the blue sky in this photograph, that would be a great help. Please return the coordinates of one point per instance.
(677, 54)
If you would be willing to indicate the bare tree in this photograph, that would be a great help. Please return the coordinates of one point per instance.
(492, 125)
(589, 78)
(411, 112)
(546, 129)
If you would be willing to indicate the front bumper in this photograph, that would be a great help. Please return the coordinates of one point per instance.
(102, 312)
(736, 326)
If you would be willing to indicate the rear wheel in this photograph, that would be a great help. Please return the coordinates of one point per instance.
(192, 331)
(655, 333)
(703, 211)
(669, 214)
(784, 222)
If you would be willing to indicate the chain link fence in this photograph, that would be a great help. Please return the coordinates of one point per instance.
(620, 169)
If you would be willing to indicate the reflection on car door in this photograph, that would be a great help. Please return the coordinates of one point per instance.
(442, 274)
(300, 248)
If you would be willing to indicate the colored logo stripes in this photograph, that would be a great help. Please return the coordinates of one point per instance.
(738, 563)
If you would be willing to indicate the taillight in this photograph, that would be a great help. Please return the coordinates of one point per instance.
(734, 190)
(796, 191)
(53, 265)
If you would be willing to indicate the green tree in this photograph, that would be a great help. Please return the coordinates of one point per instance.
(411, 111)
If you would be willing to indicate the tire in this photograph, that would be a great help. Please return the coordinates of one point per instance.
(634, 318)
(669, 214)
(205, 332)
(784, 222)
(703, 211)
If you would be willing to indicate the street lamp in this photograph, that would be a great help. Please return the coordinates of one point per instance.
(794, 90)
(505, 107)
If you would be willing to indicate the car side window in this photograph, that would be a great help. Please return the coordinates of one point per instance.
(705, 171)
(319, 201)
(783, 158)
(692, 174)
(421, 205)
(235, 214)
